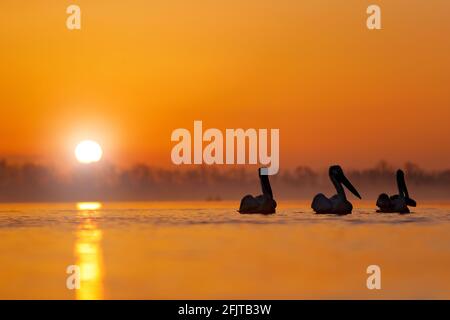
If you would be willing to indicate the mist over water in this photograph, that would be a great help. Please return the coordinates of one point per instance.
(105, 182)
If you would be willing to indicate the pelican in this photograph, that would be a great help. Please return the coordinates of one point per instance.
(337, 204)
(399, 202)
(264, 203)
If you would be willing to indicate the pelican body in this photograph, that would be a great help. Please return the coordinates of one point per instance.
(263, 204)
(397, 203)
(337, 204)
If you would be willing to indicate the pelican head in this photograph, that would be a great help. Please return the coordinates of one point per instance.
(337, 174)
(337, 204)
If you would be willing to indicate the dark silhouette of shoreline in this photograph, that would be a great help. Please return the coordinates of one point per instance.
(37, 183)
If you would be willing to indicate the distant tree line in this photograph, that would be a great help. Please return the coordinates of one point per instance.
(105, 182)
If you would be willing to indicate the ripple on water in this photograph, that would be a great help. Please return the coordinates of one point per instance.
(10, 219)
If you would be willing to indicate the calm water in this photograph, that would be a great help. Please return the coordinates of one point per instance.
(207, 250)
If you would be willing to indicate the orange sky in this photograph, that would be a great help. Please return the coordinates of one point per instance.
(139, 69)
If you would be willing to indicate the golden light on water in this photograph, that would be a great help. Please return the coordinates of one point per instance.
(86, 206)
(88, 253)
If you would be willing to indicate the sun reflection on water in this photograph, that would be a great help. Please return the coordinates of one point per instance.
(86, 206)
(88, 252)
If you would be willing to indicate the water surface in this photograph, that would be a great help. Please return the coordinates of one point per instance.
(207, 250)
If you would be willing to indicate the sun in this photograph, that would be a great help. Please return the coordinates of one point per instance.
(88, 151)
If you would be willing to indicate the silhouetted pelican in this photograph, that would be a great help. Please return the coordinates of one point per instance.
(399, 202)
(337, 204)
(264, 203)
